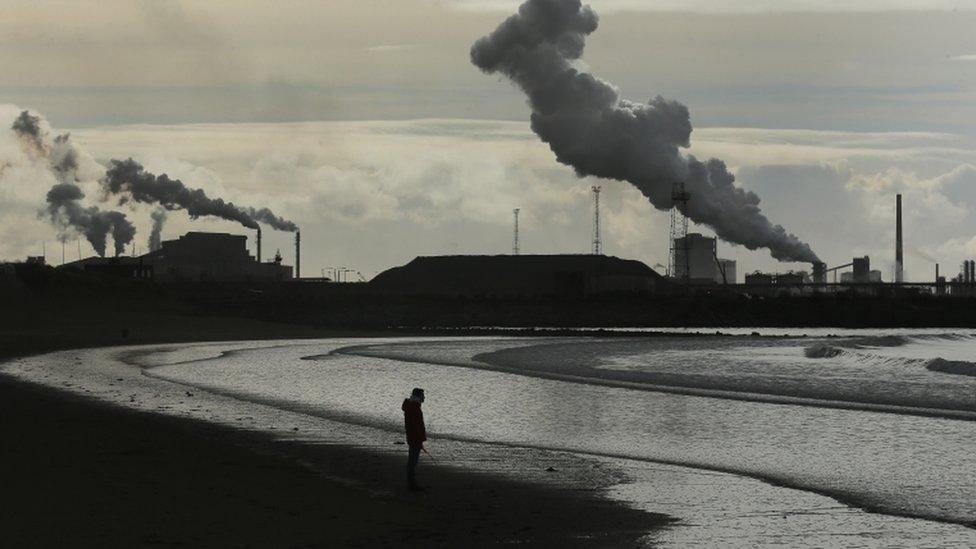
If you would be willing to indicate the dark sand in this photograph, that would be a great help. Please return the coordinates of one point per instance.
(79, 473)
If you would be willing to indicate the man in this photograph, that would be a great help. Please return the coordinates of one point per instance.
(413, 421)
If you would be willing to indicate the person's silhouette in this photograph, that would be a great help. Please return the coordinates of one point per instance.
(413, 421)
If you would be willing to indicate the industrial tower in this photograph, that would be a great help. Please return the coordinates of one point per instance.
(899, 258)
(515, 236)
(597, 245)
(679, 230)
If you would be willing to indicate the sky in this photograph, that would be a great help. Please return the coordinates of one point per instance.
(365, 122)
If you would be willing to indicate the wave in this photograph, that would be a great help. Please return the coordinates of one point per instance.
(488, 361)
(955, 367)
(822, 350)
(881, 341)
(903, 340)
(854, 350)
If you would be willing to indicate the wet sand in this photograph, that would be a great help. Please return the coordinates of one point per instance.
(79, 473)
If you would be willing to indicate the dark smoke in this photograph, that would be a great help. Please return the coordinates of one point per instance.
(63, 207)
(266, 216)
(128, 179)
(28, 127)
(156, 236)
(65, 211)
(589, 127)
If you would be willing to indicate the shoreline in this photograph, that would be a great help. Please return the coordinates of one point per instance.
(111, 475)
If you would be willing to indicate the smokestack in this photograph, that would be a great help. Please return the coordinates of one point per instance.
(298, 255)
(259, 245)
(819, 272)
(899, 259)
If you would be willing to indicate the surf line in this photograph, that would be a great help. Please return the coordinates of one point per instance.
(371, 351)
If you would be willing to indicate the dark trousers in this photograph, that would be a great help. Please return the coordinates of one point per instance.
(412, 463)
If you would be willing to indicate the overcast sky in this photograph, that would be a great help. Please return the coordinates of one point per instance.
(365, 122)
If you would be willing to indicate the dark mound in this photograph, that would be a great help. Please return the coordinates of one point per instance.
(487, 275)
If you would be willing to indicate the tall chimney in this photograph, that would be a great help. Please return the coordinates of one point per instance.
(259, 245)
(298, 254)
(899, 259)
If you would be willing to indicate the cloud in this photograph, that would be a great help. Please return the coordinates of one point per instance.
(387, 48)
(741, 6)
(967, 57)
(927, 200)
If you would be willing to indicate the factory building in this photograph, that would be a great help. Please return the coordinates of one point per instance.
(873, 276)
(193, 257)
(862, 273)
(198, 256)
(819, 272)
(779, 279)
(726, 267)
(862, 268)
(121, 266)
(791, 279)
(696, 261)
(760, 279)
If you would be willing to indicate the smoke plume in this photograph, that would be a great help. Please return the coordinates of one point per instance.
(589, 127)
(269, 218)
(28, 128)
(156, 235)
(128, 180)
(63, 199)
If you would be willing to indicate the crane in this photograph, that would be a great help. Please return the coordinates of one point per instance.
(721, 268)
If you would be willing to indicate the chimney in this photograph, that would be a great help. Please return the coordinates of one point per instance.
(298, 254)
(899, 259)
(259, 245)
(819, 272)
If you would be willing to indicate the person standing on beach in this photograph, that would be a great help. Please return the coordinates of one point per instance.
(413, 421)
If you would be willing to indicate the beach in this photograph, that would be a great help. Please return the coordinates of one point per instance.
(586, 440)
(79, 472)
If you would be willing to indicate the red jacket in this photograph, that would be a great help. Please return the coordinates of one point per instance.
(413, 421)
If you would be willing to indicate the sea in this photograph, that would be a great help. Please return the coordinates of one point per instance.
(746, 437)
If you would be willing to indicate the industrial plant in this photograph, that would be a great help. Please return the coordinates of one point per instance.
(196, 257)
(694, 267)
(694, 263)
